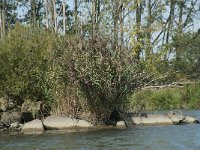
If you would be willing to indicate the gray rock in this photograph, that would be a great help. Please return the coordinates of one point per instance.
(189, 119)
(152, 119)
(121, 124)
(176, 118)
(33, 126)
(58, 122)
(14, 125)
(83, 124)
(169, 119)
(6, 104)
(10, 117)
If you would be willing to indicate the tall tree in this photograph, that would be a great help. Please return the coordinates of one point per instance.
(94, 16)
(116, 23)
(121, 18)
(8, 15)
(149, 28)
(33, 12)
(55, 15)
(47, 13)
(64, 17)
(76, 15)
(2, 19)
(138, 16)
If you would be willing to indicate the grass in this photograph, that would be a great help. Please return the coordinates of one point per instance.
(187, 97)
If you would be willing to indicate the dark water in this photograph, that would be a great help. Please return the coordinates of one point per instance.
(177, 137)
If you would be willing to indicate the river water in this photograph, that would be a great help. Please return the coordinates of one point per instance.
(176, 137)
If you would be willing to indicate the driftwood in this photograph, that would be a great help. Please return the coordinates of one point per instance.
(172, 85)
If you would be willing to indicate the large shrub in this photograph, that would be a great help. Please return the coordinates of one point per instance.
(25, 60)
(104, 77)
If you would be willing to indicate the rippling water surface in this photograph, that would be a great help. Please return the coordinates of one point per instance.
(177, 137)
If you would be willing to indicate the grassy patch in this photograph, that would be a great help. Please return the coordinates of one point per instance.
(169, 98)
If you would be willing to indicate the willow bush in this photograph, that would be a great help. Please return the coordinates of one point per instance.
(104, 77)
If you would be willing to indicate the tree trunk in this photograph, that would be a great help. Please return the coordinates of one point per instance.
(179, 32)
(76, 15)
(4, 12)
(33, 12)
(138, 27)
(116, 24)
(170, 23)
(1, 25)
(64, 18)
(46, 11)
(148, 32)
(121, 23)
(94, 16)
(171, 17)
(55, 15)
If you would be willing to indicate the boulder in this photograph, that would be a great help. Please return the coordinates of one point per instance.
(176, 118)
(10, 117)
(59, 122)
(121, 124)
(83, 124)
(6, 104)
(189, 119)
(33, 126)
(152, 119)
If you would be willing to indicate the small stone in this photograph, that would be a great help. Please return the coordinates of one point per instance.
(121, 124)
(14, 125)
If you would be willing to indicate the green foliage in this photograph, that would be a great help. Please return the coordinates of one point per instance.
(169, 98)
(67, 73)
(191, 96)
(188, 60)
(25, 59)
(104, 77)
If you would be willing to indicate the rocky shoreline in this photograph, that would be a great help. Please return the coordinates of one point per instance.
(62, 123)
(13, 118)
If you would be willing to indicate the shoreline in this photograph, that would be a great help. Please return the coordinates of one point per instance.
(67, 124)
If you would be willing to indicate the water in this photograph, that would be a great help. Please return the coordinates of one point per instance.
(177, 137)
